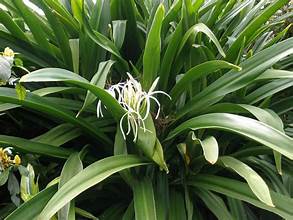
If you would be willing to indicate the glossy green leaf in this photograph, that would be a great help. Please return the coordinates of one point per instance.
(88, 177)
(255, 182)
(215, 204)
(72, 167)
(58, 135)
(61, 75)
(232, 81)
(28, 146)
(151, 56)
(40, 104)
(144, 201)
(99, 79)
(247, 127)
(250, 29)
(239, 190)
(119, 28)
(34, 24)
(31, 209)
(194, 30)
(210, 148)
(104, 42)
(197, 72)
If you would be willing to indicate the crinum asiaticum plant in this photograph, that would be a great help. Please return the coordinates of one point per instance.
(187, 92)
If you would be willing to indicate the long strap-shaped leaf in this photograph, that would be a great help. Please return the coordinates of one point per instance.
(151, 56)
(40, 104)
(22, 144)
(198, 72)
(247, 127)
(254, 180)
(254, 26)
(30, 209)
(62, 75)
(241, 191)
(233, 80)
(13, 28)
(87, 178)
(144, 201)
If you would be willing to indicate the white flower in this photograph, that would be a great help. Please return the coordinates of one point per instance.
(6, 61)
(136, 103)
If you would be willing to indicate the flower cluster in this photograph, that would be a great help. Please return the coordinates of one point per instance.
(5, 159)
(136, 102)
(6, 62)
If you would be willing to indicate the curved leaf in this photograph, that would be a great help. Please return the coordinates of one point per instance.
(24, 145)
(204, 29)
(62, 75)
(255, 182)
(197, 72)
(232, 81)
(247, 127)
(40, 104)
(30, 209)
(88, 177)
(241, 191)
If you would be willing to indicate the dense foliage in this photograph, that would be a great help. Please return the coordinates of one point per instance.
(130, 109)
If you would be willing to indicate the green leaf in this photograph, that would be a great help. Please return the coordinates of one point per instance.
(215, 204)
(268, 90)
(194, 30)
(24, 145)
(99, 79)
(60, 33)
(233, 80)
(104, 42)
(31, 209)
(119, 28)
(88, 177)
(241, 191)
(85, 214)
(34, 24)
(169, 56)
(4, 176)
(210, 148)
(20, 91)
(197, 72)
(76, 6)
(74, 47)
(158, 156)
(255, 182)
(72, 167)
(40, 104)
(29, 187)
(177, 207)
(61, 75)
(11, 26)
(58, 135)
(151, 55)
(275, 74)
(247, 127)
(144, 201)
(251, 28)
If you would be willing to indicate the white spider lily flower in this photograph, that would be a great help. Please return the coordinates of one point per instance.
(6, 61)
(136, 102)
